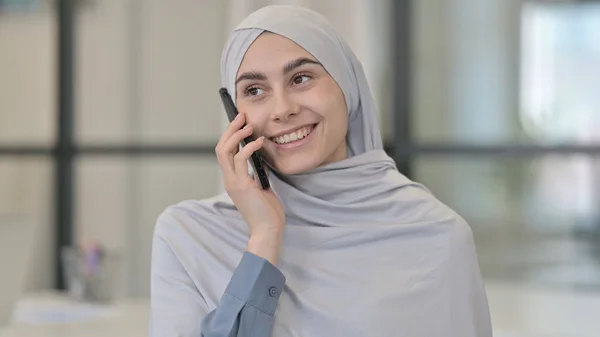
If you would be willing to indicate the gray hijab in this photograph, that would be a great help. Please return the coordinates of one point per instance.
(359, 186)
(366, 251)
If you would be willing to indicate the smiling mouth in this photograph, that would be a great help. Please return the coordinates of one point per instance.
(294, 136)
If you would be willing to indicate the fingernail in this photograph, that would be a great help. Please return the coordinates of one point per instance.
(247, 127)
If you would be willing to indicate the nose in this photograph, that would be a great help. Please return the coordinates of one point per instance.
(285, 107)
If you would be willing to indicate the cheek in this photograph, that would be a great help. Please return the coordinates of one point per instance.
(255, 116)
(334, 110)
(333, 100)
(336, 118)
(326, 103)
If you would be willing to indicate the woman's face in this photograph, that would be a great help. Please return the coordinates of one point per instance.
(289, 97)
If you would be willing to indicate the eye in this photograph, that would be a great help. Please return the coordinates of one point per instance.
(253, 91)
(299, 79)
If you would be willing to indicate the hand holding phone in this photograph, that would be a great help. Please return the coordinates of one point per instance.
(259, 206)
(255, 159)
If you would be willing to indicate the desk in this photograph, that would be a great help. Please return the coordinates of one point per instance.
(54, 315)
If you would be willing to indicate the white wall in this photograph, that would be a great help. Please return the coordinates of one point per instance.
(27, 106)
(466, 70)
(466, 91)
(145, 72)
(148, 73)
(27, 77)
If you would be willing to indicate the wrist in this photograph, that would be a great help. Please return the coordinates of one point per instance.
(266, 245)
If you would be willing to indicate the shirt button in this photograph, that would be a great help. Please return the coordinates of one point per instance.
(273, 291)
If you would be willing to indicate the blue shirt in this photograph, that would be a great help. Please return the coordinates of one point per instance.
(249, 302)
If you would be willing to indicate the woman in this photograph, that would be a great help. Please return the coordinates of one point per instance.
(342, 244)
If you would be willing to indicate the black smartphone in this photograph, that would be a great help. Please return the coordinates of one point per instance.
(256, 159)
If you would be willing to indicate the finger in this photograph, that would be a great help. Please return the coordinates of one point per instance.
(232, 145)
(227, 148)
(232, 127)
(241, 159)
(225, 161)
(229, 130)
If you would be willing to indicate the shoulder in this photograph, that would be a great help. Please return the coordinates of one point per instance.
(198, 240)
(458, 238)
(424, 207)
(187, 217)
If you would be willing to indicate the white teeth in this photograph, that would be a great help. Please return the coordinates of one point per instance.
(293, 136)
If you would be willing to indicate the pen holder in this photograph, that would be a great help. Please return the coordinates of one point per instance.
(89, 282)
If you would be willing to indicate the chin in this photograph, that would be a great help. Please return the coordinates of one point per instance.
(289, 166)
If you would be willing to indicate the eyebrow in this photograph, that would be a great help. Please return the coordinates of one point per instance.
(251, 75)
(257, 76)
(297, 63)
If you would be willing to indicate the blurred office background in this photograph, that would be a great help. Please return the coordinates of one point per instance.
(109, 113)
